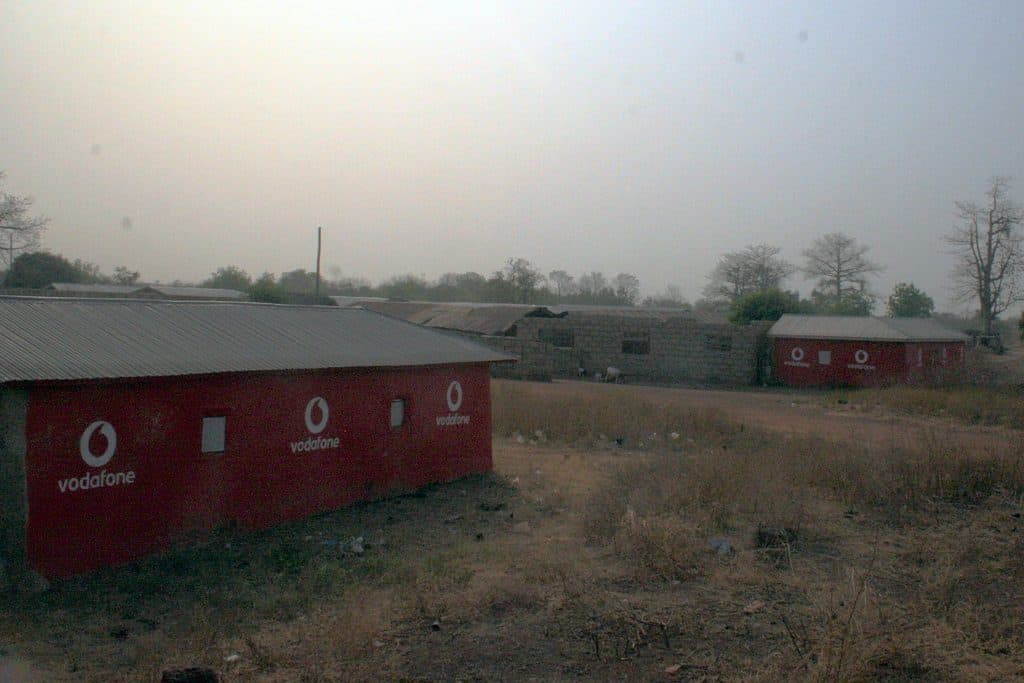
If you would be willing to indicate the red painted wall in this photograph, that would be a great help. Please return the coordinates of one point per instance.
(820, 362)
(158, 489)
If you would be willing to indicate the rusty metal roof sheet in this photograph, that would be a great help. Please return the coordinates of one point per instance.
(863, 328)
(489, 319)
(51, 338)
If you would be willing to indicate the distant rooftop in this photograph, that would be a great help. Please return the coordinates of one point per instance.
(498, 319)
(863, 328)
(53, 338)
(167, 291)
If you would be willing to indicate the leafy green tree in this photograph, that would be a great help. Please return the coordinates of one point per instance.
(769, 304)
(266, 289)
(39, 269)
(851, 302)
(228, 277)
(907, 301)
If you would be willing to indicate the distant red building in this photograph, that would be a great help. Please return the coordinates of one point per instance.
(130, 427)
(815, 351)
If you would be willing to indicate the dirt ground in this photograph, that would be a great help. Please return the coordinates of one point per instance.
(789, 411)
(495, 578)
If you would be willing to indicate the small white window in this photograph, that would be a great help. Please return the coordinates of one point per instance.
(213, 434)
(397, 412)
(824, 357)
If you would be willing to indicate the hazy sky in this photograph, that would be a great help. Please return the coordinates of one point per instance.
(430, 137)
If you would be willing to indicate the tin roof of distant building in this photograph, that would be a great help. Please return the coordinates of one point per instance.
(170, 291)
(863, 328)
(52, 338)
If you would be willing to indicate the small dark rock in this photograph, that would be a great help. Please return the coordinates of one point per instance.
(842, 401)
(192, 674)
(119, 633)
(436, 626)
(492, 507)
(479, 537)
(774, 537)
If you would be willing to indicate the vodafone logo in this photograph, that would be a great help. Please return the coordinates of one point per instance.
(454, 399)
(796, 358)
(325, 414)
(93, 480)
(107, 430)
(454, 396)
(861, 356)
(316, 408)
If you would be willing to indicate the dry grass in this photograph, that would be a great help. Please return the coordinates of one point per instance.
(972, 405)
(588, 556)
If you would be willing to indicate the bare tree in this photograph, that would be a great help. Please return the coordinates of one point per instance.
(564, 283)
(841, 267)
(989, 251)
(757, 268)
(523, 278)
(627, 288)
(18, 230)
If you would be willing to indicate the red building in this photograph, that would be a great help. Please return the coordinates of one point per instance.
(129, 427)
(810, 351)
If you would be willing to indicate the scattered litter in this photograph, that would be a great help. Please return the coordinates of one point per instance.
(355, 546)
(720, 545)
(521, 528)
(674, 435)
(515, 481)
(329, 543)
(436, 626)
(452, 519)
(378, 644)
(540, 436)
(231, 659)
(754, 607)
(673, 670)
(520, 439)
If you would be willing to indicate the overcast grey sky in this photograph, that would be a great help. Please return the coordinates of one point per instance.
(176, 137)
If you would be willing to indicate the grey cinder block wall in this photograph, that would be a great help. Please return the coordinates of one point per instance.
(644, 348)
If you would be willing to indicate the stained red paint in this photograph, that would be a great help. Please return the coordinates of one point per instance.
(177, 493)
(826, 362)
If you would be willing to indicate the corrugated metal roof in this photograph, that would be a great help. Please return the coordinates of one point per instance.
(173, 291)
(489, 319)
(196, 292)
(49, 338)
(862, 328)
(78, 288)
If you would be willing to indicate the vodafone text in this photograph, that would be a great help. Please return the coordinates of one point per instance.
(315, 443)
(96, 481)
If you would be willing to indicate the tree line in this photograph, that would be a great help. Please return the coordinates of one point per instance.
(747, 284)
